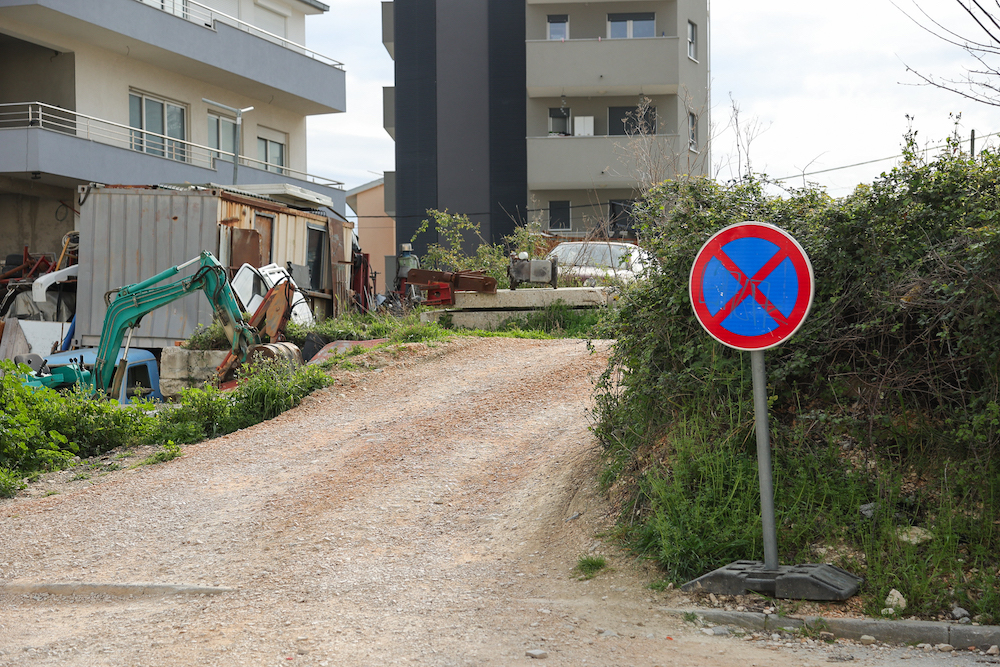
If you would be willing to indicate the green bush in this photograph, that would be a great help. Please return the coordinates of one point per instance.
(41, 429)
(892, 384)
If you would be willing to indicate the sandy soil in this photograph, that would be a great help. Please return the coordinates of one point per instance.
(428, 510)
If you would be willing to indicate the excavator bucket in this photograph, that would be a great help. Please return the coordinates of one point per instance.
(269, 320)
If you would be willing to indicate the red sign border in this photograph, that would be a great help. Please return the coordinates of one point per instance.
(800, 261)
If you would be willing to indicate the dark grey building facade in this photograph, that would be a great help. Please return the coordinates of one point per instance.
(460, 123)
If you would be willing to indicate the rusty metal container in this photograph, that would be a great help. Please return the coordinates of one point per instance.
(129, 233)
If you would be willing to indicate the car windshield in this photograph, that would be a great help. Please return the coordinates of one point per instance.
(602, 255)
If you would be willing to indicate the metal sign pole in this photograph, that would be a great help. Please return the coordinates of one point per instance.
(764, 459)
(751, 288)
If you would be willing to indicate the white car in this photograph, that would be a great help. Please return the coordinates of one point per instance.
(595, 262)
(252, 284)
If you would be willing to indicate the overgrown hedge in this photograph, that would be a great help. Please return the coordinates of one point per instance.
(887, 395)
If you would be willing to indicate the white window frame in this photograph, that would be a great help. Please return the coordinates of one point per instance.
(693, 41)
(269, 137)
(172, 148)
(692, 131)
(629, 29)
(548, 28)
(218, 117)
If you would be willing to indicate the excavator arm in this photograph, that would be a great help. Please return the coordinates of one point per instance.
(132, 302)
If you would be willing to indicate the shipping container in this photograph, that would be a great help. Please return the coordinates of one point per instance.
(129, 233)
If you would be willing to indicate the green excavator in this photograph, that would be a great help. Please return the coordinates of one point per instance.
(126, 307)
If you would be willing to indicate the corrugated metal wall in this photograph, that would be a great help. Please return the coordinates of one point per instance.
(128, 235)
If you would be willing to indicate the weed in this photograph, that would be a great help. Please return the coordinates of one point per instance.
(169, 452)
(51, 492)
(589, 566)
(690, 617)
(80, 476)
(10, 483)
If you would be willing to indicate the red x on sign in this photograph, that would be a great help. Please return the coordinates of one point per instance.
(751, 286)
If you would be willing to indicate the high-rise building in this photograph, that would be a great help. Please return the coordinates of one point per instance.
(555, 111)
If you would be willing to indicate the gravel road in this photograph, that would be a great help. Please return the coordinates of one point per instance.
(427, 510)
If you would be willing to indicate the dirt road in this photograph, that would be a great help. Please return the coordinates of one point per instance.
(428, 511)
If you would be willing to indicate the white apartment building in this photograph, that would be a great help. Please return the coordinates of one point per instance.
(559, 111)
(617, 99)
(114, 92)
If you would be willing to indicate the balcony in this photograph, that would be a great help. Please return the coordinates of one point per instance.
(389, 28)
(70, 148)
(590, 67)
(588, 163)
(188, 38)
(389, 110)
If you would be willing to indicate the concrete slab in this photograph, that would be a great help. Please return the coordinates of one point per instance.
(474, 319)
(980, 636)
(886, 631)
(534, 298)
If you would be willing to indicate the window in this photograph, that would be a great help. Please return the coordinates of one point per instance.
(271, 149)
(692, 41)
(626, 121)
(559, 122)
(630, 26)
(621, 218)
(558, 26)
(559, 215)
(222, 135)
(271, 17)
(693, 131)
(316, 249)
(161, 121)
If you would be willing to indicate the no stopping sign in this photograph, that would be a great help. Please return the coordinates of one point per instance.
(751, 286)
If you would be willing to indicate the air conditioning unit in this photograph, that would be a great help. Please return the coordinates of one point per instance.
(583, 126)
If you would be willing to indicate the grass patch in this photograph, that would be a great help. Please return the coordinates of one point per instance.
(169, 452)
(588, 567)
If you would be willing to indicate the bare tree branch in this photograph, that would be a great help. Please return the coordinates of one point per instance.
(981, 83)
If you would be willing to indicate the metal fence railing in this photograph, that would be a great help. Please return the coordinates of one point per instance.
(21, 115)
(195, 12)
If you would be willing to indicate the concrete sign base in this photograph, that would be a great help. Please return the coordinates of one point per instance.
(810, 581)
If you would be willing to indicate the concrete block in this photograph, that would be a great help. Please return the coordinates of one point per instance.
(891, 632)
(574, 297)
(980, 636)
(176, 363)
(473, 319)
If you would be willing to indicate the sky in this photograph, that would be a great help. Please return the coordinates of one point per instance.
(819, 86)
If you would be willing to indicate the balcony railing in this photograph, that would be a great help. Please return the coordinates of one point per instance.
(23, 115)
(195, 12)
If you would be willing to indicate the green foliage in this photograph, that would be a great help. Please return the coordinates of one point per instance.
(41, 429)
(557, 319)
(10, 483)
(169, 452)
(27, 439)
(210, 337)
(589, 566)
(265, 390)
(351, 326)
(461, 247)
(897, 370)
(98, 425)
